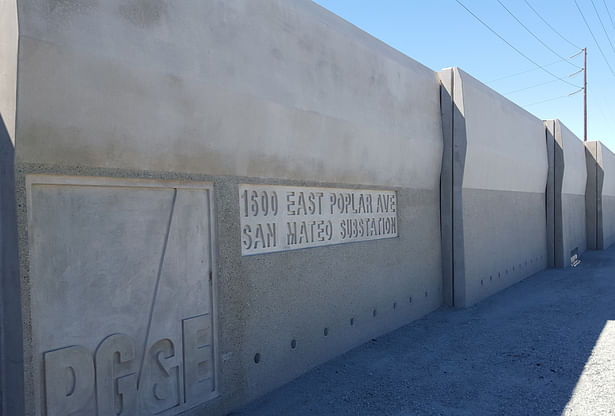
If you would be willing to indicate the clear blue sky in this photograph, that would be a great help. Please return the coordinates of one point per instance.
(440, 34)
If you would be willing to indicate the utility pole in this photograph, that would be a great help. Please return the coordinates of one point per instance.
(585, 94)
(584, 89)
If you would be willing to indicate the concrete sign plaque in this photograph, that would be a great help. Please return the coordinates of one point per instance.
(279, 218)
(122, 296)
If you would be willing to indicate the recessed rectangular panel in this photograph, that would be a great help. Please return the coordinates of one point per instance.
(120, 281)
(279, 218)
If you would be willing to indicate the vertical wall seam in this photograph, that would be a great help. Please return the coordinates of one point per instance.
(555, 187)
(597, 199)
(553, 190)
(452, 190)
(554, 207)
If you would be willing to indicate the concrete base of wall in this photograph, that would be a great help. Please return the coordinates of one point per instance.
(498, 252)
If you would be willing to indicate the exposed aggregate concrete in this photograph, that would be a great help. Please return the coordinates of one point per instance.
(542, 347)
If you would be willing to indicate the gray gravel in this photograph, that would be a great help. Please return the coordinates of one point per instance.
(542, 347)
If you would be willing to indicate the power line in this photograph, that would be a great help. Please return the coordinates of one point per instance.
(530, 87)
(584, 89)
(534, 35)
(545, 101)
(609, 13)
(516, 50)
(602, 24)
(524, 72)
(608, 120)
(551, 27)
(595, 40)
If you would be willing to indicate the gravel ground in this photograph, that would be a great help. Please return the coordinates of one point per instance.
(545, 346)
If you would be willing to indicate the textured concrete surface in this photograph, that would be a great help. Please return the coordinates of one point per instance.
(608, 196)
(260, 313)
(541, 347)
(326, 299)
(262, 92)
(151, 247)
(568, 234)
(600, 195)
(497, 181)
(265, 88)
(593, 195)
(506, 161)
(270, 92)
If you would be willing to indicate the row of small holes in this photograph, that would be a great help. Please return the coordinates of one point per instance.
(293, 343)
(513, 269)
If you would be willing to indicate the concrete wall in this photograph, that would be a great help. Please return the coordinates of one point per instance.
(184, 85)
(11, 361)
(566, 214)
(154, 99)
(608, 196)
(499, 176)
(148, 136)
(600, 195)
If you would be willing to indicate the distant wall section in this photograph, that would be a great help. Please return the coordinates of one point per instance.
(600, 195)
(567, 235)
(608, 196)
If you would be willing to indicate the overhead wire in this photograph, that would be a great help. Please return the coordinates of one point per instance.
(545, 101)
(602, 24)
(530, 87)
(549, 25)
(535, 36)
(513, 47)
(524, 72)
(604, 117)
(594, 37)
(609, 13)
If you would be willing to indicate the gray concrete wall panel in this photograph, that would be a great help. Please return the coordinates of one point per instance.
(498, 192)
(348, 293)
(151, 248)
(608, 196)
(568, 193)
(608, 163)
(574, 229)
(505, 144)
(575, 174)
(218, 87)
(234, 92)
(608, 220)
(573, 192)
(497, 256)
(593, 196)
(599, 196)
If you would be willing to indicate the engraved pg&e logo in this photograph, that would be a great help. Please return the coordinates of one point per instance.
(167, 378)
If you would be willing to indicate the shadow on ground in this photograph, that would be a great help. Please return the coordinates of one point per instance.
(520, 352)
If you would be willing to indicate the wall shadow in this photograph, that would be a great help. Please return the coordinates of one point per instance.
(11, 345)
